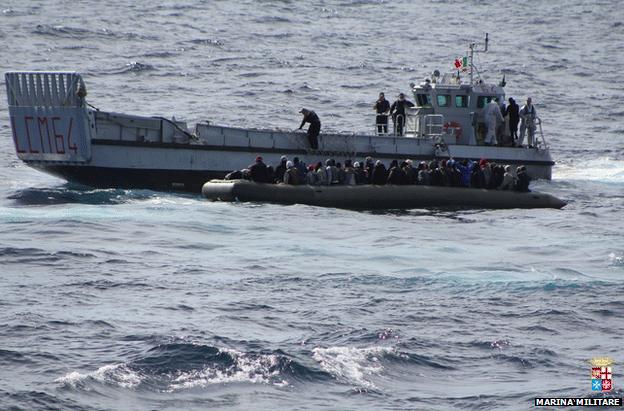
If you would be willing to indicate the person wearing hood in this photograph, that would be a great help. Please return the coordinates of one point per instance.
(310, 116)
(527, 122)
(493, 117)
(487, 172)
(321, 174)
(258, 171)
(291, 176)
(301, 168)
(477, 180)
(464, 168)
(395, 174)
(380, 175)
(411, 174)
(333, 174)
(359, 173)
(280, 170)
(436, 176)
(522, 180)
(508, 180)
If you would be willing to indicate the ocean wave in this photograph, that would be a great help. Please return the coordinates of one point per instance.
(272, 19)
(119, 375)
(62, 31)
(133, 67)
(241, 367)
(176, 367)
(616, 260)
(353, 365)
(207, 42)
(17, 255)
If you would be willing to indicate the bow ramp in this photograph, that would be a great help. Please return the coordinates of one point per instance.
(49, 118)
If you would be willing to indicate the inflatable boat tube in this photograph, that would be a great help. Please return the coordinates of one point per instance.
(371, 197)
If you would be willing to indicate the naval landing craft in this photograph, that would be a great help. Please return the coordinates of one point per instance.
(56, 131)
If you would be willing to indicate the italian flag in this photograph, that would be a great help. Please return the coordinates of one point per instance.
(461, 63)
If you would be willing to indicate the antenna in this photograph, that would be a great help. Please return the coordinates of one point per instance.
(473, 51)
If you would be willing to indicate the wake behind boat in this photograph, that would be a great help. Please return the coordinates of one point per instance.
(56, 131)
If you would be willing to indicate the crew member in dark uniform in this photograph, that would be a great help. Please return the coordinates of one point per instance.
(398, 113)
(514, 118)
(310, 116)
(382, 107)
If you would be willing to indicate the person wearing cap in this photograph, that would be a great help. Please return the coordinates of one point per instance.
(258, 171)
(311, 177)
(397, 110)
(280, 169)
(382, 107)
(291, 176)
(314, 129)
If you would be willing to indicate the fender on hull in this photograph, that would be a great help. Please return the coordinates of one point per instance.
(371, 197)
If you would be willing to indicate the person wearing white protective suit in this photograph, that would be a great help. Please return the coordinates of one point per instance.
(528, 116)
(493, 117)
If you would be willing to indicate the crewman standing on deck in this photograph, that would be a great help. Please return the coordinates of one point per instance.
(527, 122)
(493, 117)
(382, 107)
(310, 116)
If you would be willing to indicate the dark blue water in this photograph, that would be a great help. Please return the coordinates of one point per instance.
(133, 299)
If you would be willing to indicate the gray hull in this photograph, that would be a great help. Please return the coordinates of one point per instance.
(370, 197)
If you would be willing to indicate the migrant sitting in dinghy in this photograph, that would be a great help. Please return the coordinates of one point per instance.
(436, 184)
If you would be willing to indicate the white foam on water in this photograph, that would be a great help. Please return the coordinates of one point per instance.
(604, 169)
(113, 374)
(351, 364)
(257, 369)
(616, 260)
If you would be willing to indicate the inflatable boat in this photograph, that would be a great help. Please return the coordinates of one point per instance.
(372, 197)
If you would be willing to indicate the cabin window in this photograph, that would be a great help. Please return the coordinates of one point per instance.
(461, 101)
(423, 100)
(444, 100)
(483, 100)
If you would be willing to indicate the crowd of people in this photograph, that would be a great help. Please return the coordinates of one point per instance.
(446, 172)
(494, 116)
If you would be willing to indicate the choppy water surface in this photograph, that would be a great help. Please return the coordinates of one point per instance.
(115, 299)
